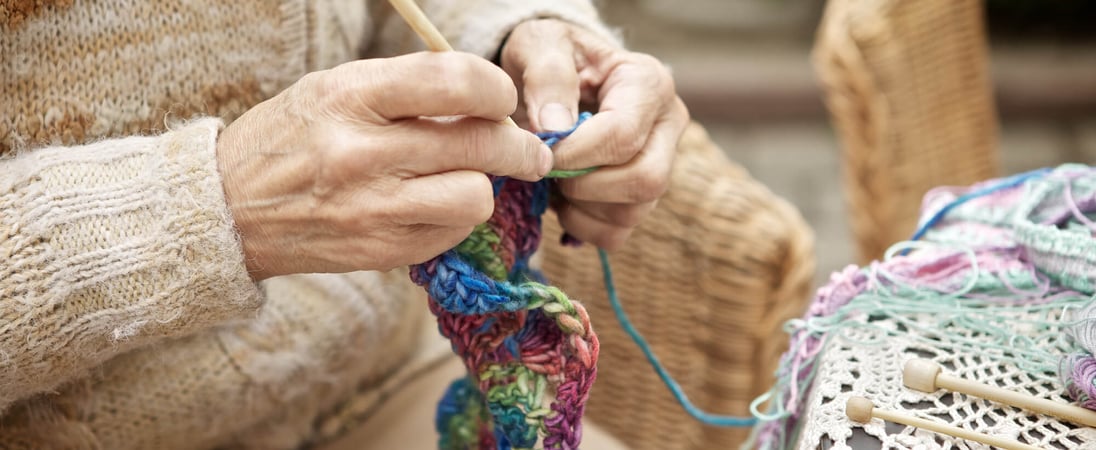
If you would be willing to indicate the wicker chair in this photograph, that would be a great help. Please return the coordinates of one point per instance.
(708, 279)
(907, 85)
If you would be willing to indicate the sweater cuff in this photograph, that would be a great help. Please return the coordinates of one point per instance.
(492, 21)
(132, 237)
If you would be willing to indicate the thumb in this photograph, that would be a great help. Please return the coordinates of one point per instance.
(539, 56)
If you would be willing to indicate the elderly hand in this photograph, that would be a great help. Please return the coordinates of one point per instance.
(632, 138)
(345, 170)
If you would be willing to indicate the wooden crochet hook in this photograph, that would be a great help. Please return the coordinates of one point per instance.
(426, 30)
(862, 410)
(926, 376)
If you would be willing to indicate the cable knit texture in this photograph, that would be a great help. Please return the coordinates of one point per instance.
(110, 245)
(127, 317)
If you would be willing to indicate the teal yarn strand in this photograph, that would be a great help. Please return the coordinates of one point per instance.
(1010, 182)
(637, 338)
(667, 379)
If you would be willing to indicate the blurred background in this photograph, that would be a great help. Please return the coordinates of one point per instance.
(744, 68)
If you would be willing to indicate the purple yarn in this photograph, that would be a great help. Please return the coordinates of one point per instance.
(1081, 374)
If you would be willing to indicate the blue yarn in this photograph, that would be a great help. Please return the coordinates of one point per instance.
(511, 428)
(486, 326)
(539, 203)
(551, 138)
(675, 389)
(458, 287)
(512, 346)
(459, 393)
(500, 440)
(1006, 183)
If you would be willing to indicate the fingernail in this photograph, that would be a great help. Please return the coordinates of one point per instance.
(556, 117)
(546, 160)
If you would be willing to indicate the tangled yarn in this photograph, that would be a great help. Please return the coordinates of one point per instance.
(530, 351)
(1023, 246)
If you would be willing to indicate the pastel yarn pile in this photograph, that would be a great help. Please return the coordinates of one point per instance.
(983, 254)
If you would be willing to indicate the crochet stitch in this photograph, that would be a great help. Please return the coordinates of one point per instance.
(519, 338)
(997, 285)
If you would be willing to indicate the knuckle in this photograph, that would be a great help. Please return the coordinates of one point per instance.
(478, 200)
(647, 186)
(625, 142)
(570, 188)
(628, 217)
(457, 74)
(666, 87)
(647, 60)
(320, 83)
(512, 51)
(315, 88)
(454, 236)
(475, 145)
(661, 79)
(529, 155)
(548, 70)
(345, 221)
(613, 238)
(338, 153)
(390, 258)
(681, 110)
(480, 212)
(444, 73)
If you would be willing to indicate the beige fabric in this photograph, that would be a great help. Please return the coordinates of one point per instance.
(317, 337)
(127, 318)
(110, 246)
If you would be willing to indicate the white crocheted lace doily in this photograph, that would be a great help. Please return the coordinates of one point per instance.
(867, 361)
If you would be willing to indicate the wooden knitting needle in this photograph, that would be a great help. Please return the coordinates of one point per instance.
(429, 34)
(925, 376)
(862, 410)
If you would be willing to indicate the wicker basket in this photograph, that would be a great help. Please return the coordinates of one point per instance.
(708, 279)
(908, 87)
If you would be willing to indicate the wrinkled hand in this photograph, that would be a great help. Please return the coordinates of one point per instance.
(632, 138)
(345, 170)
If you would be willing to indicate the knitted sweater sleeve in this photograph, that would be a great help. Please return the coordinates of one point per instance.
(112, 246)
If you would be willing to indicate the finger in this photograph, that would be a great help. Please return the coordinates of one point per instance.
(411, 244)
(635, 94)
(539, 53)
(616, 214)
(430, 146)
(423, 84)
(642, 180)
(428, 241)
(458, 198)
(588, 229)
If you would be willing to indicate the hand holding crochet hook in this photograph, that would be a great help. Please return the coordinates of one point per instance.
(558, 66)
(632, 139)
(351, 155)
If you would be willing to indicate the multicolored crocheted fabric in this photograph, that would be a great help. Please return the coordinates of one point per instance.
(521, 340)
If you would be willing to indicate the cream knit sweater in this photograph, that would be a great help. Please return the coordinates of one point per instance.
(127, 317)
